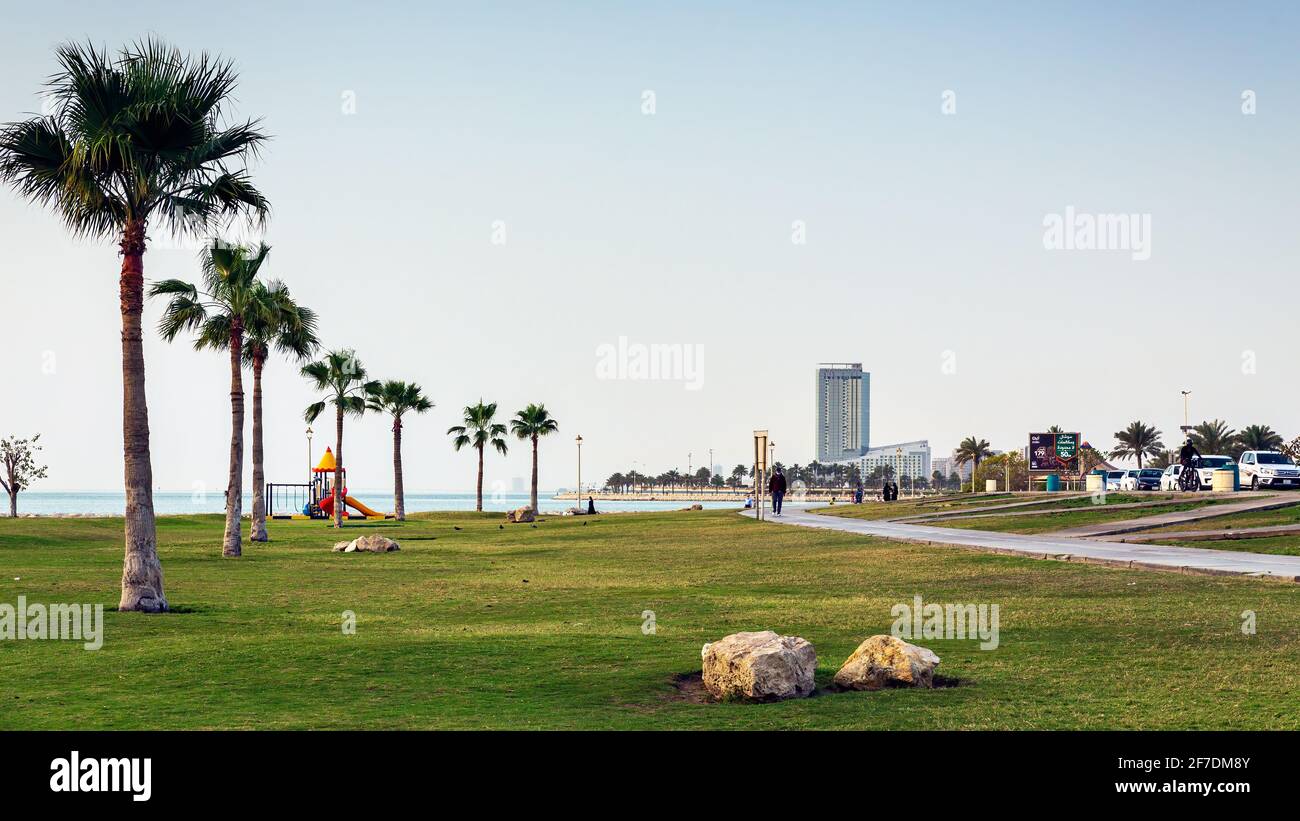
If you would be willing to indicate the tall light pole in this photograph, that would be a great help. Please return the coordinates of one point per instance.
(579, 494)
(1186, 422)
(309, 454)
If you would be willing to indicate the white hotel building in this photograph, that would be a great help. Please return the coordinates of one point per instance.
(905, 458)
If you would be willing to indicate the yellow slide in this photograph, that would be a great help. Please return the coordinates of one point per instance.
(327, 507)
(362, 509)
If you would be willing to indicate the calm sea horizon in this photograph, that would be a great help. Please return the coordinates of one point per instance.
(113, 503)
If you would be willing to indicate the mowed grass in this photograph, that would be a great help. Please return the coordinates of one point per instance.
(542, 628)
(1277, 545)
(1255, 518)
(913, 507)
(1049, 522)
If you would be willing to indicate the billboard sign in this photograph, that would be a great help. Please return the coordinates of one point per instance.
(1054, 451)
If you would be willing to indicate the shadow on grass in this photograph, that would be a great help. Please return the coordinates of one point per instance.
(689, 687)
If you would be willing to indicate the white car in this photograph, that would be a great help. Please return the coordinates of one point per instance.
(1113, 479)
(1169, 479)
(1268, 468)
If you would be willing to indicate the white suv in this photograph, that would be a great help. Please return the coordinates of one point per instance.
(1268, 468)
(1206, 467)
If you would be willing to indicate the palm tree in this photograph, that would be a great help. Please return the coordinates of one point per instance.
(131, 142)
(532, 423)
(738, 474)
(229, 301)
(973, 450)
(397, 399)
(479, 430)
(290, 331)
(936, 480)
(1137, 441)
(342, 378)
(1213, 437)
(1257, 437)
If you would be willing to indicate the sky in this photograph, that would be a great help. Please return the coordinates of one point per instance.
(485, 198)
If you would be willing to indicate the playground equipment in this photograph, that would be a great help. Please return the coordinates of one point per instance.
(316, 499)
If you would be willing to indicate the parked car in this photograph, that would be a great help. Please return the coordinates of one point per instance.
(1113, 478)
(1144, 479)
(1207, 466)
(1268, 468)
(1169, 478)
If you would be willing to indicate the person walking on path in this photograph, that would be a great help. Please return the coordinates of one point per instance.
(776, 486)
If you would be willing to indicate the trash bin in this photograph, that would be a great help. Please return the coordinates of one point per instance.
(1053, 483)
(1224, 480)
(1094, 481)
(990, 485)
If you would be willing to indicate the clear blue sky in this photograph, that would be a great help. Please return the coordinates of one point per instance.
(924, 231)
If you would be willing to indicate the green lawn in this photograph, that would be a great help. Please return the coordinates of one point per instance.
(541, 628)
(1280, 545)
(1255, 518)
(912, 507)
(1049, 522)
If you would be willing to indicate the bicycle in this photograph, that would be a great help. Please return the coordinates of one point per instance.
(1189, 479)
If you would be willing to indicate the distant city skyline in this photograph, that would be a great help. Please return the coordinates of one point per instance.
(487, 200)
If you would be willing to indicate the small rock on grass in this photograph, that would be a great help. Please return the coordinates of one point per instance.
(887, 661)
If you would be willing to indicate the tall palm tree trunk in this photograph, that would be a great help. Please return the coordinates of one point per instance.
(479, 492)
(258, 530)
(231, 544)
(533, 497)
(399, 490)
(142, 577)
(338, 468)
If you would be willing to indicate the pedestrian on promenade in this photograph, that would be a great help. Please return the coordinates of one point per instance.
(776, 485)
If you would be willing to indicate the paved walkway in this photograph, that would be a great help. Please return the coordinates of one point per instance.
(1147, 557)
(1177, 517)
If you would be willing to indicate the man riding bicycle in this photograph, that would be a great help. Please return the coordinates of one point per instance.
(1187, 457)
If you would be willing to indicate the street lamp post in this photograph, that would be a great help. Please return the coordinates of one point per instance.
(579, 495)
(1186, 421)
(309, 454)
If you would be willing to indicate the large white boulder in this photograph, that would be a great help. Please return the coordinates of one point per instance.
(367, 544)
(759, 666)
